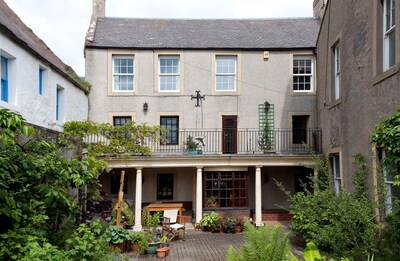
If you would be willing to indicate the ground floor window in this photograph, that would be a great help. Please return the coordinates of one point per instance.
(165, 186)
(227, 188)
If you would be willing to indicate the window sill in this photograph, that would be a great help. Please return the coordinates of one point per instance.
(386, 74)
(310, 93)
(334, 103)
(122, 93)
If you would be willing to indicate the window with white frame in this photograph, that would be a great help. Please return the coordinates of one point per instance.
(225, 73)
(392, 192)
(389, 36)
(336, 52)
(335, 164)
(4, 79)
(123, 73)
(302, 73)
(169, 73)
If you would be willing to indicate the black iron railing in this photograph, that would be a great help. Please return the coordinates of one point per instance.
(233, 141)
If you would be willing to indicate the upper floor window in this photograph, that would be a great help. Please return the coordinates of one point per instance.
(121, 120)
(123, 73)
(337, 180)
(171, 124)
(389, 36)
(169, 73)
(4, 79)
(302, 74)
(226, 73)
(336, 52)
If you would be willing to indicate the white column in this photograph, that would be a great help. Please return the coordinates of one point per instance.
(199, 194)
(138, 201)
(258, 197)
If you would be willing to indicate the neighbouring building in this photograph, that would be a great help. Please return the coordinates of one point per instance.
(358, 63)
(245, 90)
(34, 81)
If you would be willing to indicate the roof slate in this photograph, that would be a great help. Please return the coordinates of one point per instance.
(205, 34)
(13, 26)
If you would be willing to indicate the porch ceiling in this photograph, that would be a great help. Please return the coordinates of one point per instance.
(211, 161)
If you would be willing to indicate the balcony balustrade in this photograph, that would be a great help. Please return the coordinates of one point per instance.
(231, 142)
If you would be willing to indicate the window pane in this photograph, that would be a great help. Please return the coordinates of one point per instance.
(392, 48)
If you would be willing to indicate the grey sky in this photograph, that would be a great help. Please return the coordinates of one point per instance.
(62, 24)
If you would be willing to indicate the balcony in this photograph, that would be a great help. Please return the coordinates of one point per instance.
(232, 142)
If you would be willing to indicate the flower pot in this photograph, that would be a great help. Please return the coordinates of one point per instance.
(161, 252)
(238, 229)
(152, 249)
(167, 250)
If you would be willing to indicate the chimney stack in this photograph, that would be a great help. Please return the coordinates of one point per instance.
(99, 8)
(99, 11)
(319, 8)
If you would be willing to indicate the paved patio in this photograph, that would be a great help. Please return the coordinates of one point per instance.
(202, 246)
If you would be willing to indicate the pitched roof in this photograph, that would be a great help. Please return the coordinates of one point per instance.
(205, 34)
(12, 25)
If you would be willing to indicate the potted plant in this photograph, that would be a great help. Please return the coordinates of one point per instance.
(228, 225)
(116, 236)
(153, 238)
(138, 241)
(192, 146)
(210, 220)
(240, 223)
(211, 202)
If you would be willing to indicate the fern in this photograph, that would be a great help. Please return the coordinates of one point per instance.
(264, 243)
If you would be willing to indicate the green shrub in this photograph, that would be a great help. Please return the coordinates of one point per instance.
(340, 224)
(210, 219)
(265, 243)
(86, 243)
(116, 235)
(388, 246)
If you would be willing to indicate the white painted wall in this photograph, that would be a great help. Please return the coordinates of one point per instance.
(261, 80)
(24, 95)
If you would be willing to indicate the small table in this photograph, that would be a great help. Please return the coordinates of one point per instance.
(166, 206)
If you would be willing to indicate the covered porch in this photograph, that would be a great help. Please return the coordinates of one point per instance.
(241, 185)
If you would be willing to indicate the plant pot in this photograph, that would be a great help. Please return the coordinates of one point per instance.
(135, 247)
(152, 249)
(118, 248)
(167, 250)
(238, 229)
(193, 152)
(161, 252)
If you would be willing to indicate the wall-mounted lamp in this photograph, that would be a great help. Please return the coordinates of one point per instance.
(145, 106)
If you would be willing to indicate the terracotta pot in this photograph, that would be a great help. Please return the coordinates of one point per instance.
(167, 250)
(238, 229)
(161, 252)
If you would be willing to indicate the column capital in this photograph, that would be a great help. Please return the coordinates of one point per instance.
(139, 168)
(199, 167)
(259, 167)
